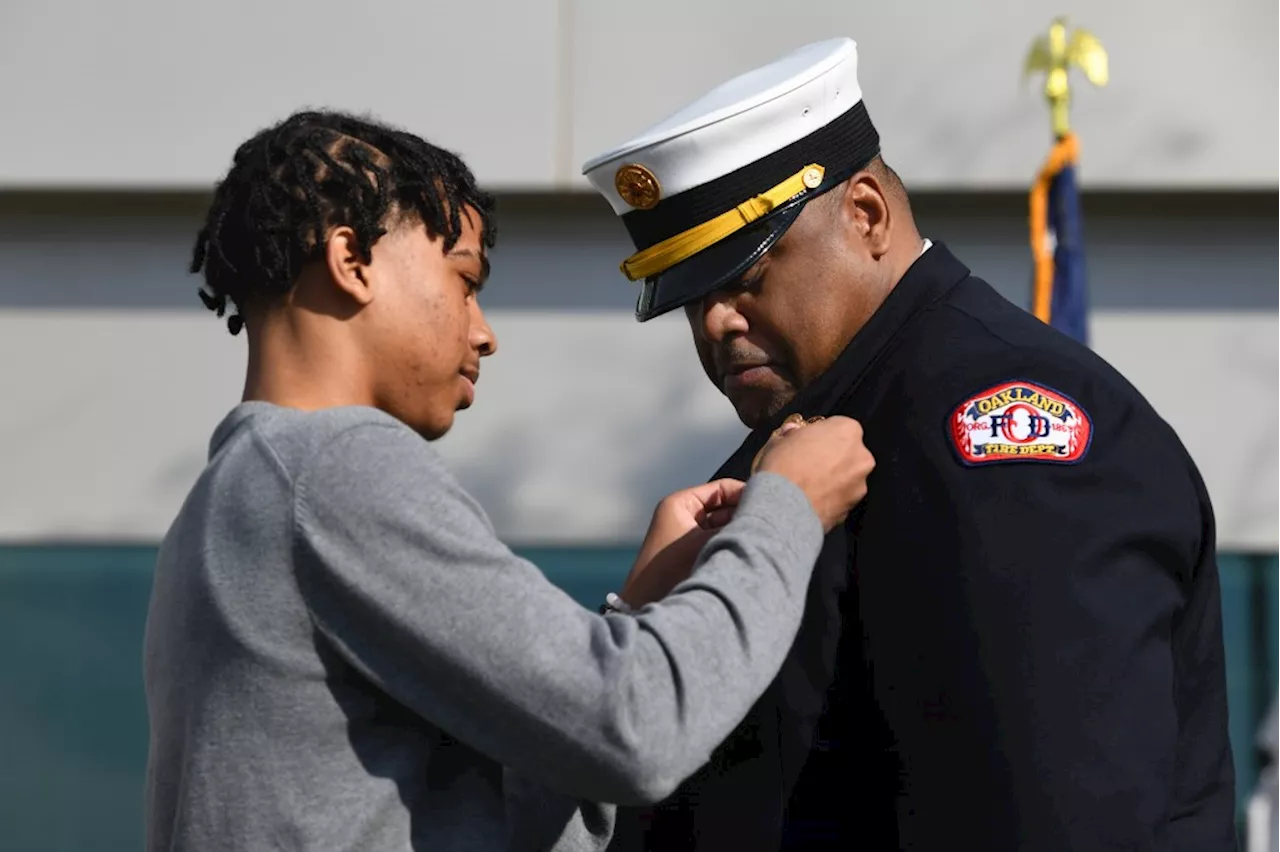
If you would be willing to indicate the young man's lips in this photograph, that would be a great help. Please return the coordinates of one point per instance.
(470, 377)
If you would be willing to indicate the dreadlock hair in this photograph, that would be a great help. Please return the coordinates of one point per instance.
(313, 171)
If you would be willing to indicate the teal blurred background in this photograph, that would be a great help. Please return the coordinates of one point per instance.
(73, 716)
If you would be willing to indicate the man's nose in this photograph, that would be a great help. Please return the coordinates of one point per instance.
(483, 340)
(721, 316)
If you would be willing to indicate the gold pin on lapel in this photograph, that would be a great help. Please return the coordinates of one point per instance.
(797, 419)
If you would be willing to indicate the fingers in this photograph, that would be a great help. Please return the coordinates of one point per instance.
(718, 493)
(717, 518)
(791, 424)
(730, 493)
(710, 505)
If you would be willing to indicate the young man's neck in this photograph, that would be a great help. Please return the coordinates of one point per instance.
(292, 368)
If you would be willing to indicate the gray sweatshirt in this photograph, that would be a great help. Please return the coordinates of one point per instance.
(341, 655)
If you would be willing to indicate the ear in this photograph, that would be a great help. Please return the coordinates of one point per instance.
(865, 206)
(347, 269)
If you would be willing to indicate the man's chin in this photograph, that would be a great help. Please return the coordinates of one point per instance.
(436, 428)
(755, 407)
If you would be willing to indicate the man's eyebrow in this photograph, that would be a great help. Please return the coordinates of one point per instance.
(749, 276)
(473, 255)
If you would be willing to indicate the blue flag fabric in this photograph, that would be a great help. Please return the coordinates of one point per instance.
(1059, 293)
(1069, 302)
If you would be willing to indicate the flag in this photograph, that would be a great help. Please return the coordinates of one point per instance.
(1059, 295)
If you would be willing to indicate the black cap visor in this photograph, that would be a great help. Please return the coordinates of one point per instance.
(841, 147)
(714, 267)
(721, 264)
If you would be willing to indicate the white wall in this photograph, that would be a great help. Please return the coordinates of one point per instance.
(114, 375)
(157, 93)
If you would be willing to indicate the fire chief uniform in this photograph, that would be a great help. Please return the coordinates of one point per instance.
(1015, 641)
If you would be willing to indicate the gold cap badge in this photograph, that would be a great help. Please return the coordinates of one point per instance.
(637, 186)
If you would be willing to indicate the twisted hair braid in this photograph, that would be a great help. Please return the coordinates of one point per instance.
(292, 182)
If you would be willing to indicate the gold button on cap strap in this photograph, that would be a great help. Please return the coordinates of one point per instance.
(660, 257)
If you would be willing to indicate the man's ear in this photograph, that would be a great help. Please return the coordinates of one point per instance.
(864, 205)
(347, 268)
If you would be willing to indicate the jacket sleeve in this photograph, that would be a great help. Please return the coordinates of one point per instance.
(1034, 617)
(404, 577)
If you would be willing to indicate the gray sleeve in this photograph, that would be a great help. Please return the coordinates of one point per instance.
(402, 572)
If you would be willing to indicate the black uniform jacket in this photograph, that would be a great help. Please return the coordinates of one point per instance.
(1015, 642)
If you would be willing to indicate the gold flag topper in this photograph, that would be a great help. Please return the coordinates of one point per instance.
(1054, 54)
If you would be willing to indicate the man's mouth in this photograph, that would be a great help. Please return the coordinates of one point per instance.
(747, 375)
(472, 375)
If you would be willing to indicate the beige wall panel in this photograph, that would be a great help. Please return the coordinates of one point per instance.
(107, 415)
(1192, 100)
(154, 93)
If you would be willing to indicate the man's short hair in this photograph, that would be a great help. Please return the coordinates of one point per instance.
(887, 177)
(890, 182)
(292, 182)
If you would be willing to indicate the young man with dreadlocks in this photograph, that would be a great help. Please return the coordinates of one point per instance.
(339, 652)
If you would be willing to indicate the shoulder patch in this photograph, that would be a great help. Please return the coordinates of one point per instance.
(1020, 422)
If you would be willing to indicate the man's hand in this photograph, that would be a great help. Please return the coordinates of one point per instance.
(681, 525)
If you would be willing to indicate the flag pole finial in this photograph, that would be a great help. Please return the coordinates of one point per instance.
(1054, 53)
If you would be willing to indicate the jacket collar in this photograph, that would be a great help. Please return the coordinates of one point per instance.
(933, 274)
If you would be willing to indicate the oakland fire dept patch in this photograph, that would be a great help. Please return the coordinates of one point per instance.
(1020, 421)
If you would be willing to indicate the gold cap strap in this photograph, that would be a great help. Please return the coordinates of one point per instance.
(660, 257)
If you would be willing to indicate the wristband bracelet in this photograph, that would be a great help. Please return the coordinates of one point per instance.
(613, 603)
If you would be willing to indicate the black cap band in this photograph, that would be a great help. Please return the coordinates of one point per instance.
(846, 144)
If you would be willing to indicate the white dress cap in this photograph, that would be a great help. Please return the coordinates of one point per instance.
(734, 124)
(704, 193)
